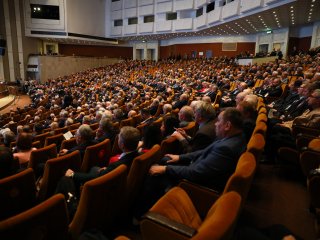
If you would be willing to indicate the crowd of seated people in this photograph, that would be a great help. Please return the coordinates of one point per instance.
(183, 91)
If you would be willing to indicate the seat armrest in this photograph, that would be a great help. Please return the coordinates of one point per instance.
(303, 140)
(201, 197)
(288, 155)
(167, 223)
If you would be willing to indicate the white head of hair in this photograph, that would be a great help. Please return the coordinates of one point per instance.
(252, 99)
(194, 104)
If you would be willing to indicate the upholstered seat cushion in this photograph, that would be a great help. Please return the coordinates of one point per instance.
(176, 205)
(314, 145)
(221, 215)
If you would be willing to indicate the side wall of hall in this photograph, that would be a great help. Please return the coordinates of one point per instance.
(95, 51)
(186, 50)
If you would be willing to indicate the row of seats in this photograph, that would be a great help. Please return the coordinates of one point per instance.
(134, 180)
(103, 200)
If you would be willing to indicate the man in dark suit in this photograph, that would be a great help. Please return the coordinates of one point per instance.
(129, 138)
(204, 117)
(209, 167)
(212, 93)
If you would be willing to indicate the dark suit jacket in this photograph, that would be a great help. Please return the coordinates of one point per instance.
(211, 166)
(179, 104)
(274, 91)
(212, 95)
(81, 178)
(203, 138)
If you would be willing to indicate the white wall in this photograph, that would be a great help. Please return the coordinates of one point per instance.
(208, 39)
(301, 31)
(55, 66)
(280, 36)
(315, 41)
(145, 46)
(86, 17)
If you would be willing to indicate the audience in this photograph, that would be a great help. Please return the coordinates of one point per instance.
(105, 96)
(129, 138)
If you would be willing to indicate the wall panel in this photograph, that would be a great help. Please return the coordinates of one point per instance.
(216, 48)
(95, 51)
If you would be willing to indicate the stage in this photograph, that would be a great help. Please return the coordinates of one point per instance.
(6, 101)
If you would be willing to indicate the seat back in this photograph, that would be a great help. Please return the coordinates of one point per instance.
(158, 122)
(18, 193)
(314, 145)
(94, 126)
(159, 110)
(35, 144)
(175, 217)
(41, 155)
(191, 129)
(57, 139)
(137, 119)
(170, 145)
(55, 169)
(96, 155)
(74, 126)
(41, 137)
(221, 218)
(61, 130)
(262, 118)
(141, 127)
(100, 201)
(48, 220)
(138, 171)
(261, 127)
(115, 148)
(256, 145)
(68, 144)
(218, 98)
(309, 160)
(127, 122)
(240, 181)
(313, 189)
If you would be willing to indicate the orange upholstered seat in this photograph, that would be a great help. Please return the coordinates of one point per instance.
(176, 216)
(47, 221)
(96, 155)
(100, 201)
(55, 169)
